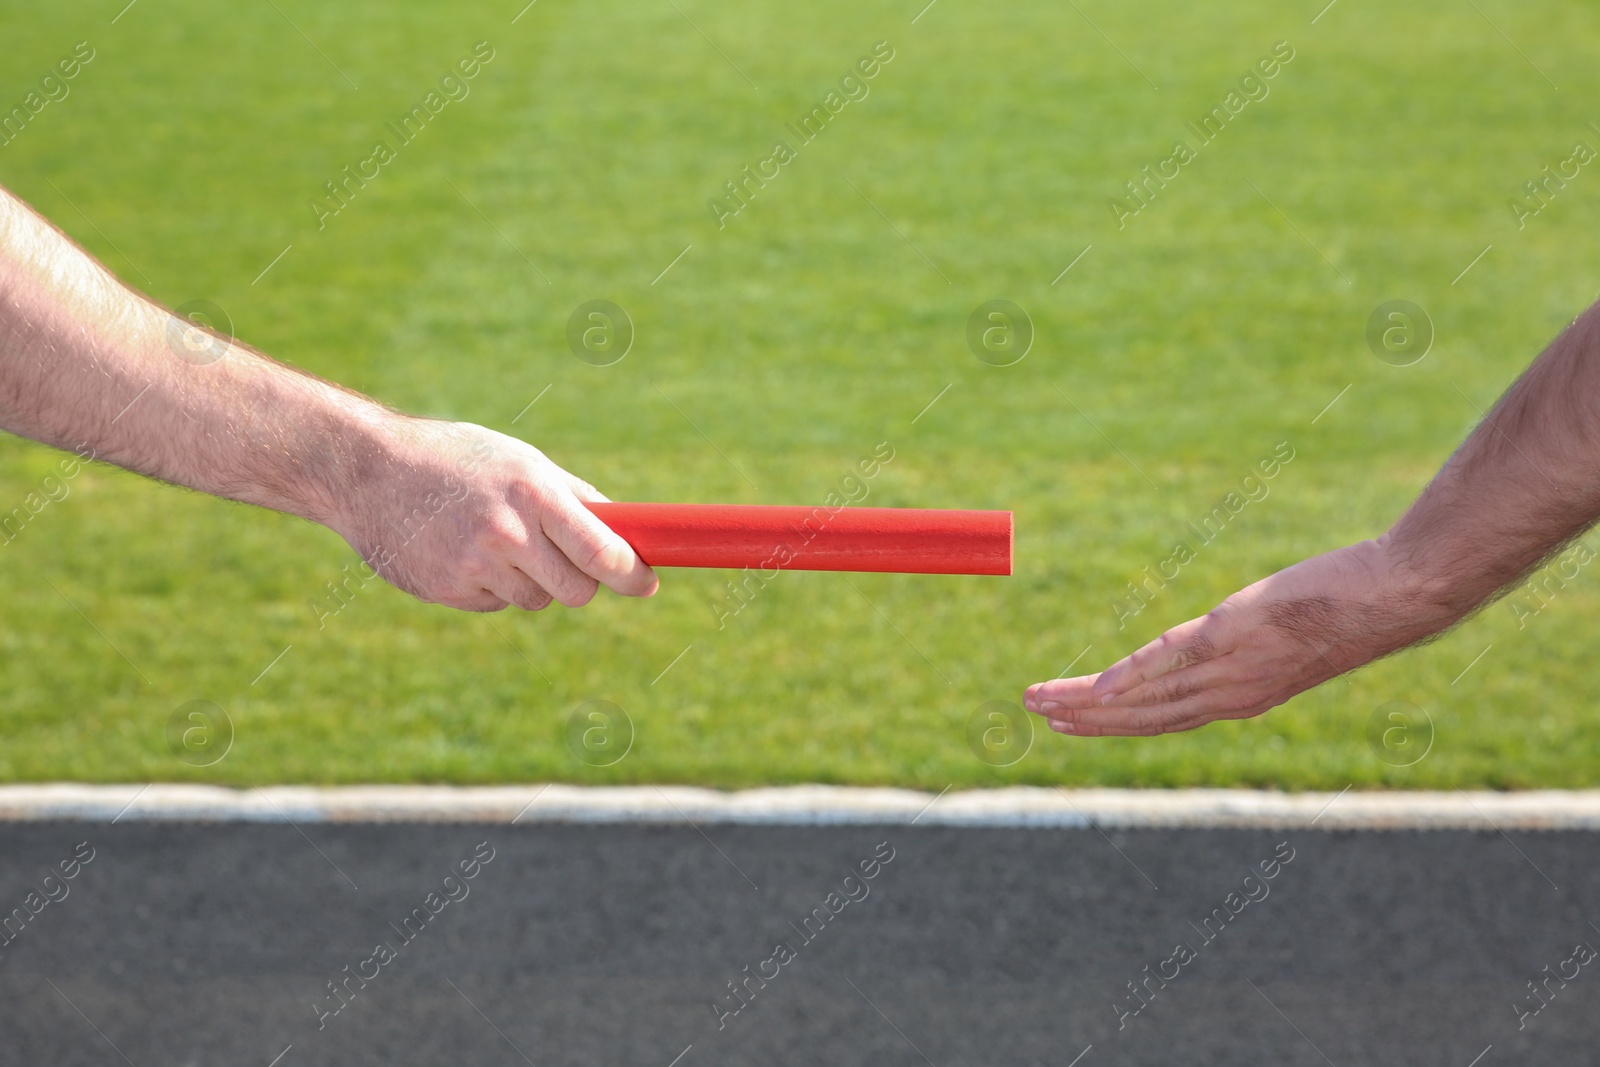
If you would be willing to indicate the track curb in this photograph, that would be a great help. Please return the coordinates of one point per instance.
(807, 805)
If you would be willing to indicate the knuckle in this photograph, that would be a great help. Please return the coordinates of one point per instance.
(473, 569)
(503, 532)
(596, 555)
(585, 593)
(1173, 691)
(1197, 649)
(535, 487)
(576, 590)
(534, 601)
(1173, 723)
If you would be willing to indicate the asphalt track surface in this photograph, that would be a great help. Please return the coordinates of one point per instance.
(190, 944)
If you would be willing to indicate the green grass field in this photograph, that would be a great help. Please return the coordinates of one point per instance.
(784, 346)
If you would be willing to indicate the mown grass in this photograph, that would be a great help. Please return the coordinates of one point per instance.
(1176, 353)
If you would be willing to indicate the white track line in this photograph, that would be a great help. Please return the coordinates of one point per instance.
(810, 805)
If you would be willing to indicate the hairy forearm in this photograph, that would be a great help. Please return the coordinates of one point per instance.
(1525, 482)
(84, 361)
(450, 512)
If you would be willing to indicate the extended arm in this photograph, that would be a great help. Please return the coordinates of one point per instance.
(452, 513)
(1525, 482)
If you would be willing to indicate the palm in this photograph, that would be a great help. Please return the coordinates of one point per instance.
(1279, 637)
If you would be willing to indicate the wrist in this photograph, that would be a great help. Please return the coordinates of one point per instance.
(359, 447)
(1423, 599)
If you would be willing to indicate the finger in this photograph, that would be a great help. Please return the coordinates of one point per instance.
(1061, 692)
(1183, 683)
(594, 548)
(1184, 645)
(1152, 719)
(468, 599)
(548, 567)
(515, 587)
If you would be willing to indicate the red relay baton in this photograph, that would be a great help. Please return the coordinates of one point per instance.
(735, 536)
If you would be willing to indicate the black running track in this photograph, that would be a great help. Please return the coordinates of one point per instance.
(191, 944)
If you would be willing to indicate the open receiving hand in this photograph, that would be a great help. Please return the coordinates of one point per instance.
(1255, 650)
(460, 515)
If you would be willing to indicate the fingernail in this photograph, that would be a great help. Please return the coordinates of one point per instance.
(1108, 698)
(1061, 726)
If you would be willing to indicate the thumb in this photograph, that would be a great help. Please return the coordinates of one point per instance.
(584, 491)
